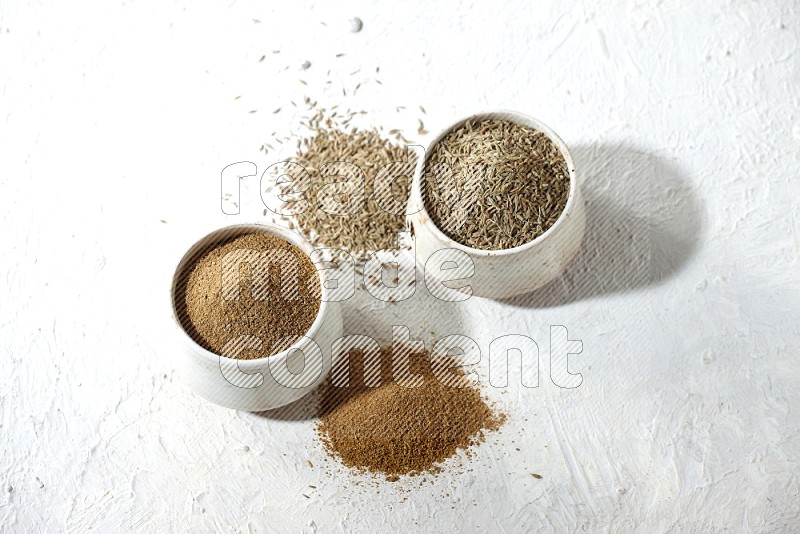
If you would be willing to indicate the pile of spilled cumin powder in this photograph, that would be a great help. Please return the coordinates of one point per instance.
(261, 307)
(493, 184)
(356, 211)
(396, 430)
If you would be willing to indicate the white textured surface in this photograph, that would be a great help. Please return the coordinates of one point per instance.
(684, 126)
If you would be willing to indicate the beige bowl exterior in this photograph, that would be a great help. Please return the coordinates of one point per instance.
(509, 272)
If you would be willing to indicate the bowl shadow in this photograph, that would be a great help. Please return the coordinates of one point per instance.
(643, 223)
(303, 409)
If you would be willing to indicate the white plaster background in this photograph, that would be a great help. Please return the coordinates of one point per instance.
(686, 132)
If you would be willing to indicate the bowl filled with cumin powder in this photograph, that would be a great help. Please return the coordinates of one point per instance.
(495, 205)
(253, 313)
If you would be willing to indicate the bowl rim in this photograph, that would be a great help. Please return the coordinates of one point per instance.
(232, 231)
(522, 120)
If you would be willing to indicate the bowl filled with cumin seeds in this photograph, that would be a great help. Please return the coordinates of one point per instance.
(495, 207)
(254, 316)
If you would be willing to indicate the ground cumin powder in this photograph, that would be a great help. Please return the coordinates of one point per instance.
(261, 308)
(398, 430)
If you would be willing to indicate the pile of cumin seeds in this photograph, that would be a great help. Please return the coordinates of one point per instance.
(262, 307)
(492, 184)
(359, 212)
(394, 430)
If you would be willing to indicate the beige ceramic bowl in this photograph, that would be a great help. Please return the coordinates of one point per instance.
(498, 273)
(264, 383)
